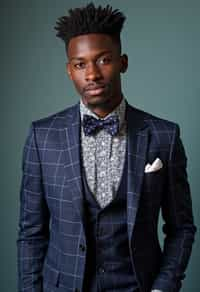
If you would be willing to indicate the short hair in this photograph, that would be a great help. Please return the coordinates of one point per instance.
(90, 19)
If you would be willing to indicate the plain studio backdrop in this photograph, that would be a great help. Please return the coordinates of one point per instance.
(162, 40)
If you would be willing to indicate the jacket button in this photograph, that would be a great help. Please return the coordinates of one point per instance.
(82, 247)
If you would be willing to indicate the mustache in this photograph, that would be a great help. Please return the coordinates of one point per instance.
(94, 85)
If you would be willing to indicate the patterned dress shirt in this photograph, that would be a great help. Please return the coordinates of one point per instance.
(103, 156)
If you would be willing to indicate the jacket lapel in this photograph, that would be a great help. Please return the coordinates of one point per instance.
(72, 155)
(138, 136)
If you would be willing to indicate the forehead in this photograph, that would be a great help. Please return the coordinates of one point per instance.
(84, 46)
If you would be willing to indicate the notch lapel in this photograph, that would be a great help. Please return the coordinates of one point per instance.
(138, 136)
(72, 155)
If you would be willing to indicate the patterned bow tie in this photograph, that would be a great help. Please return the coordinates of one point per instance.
(91, 125)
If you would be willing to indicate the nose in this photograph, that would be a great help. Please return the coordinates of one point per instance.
(92, 72)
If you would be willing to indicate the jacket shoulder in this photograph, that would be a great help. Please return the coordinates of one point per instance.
(156, 123)
(56, 120)
(162, 132)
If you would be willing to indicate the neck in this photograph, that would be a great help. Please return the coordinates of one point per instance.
(104, 109)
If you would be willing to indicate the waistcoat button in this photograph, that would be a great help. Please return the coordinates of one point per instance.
(101, 270)
(101, 231)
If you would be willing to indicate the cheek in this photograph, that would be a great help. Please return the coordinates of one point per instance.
(112, 73)
(78, 81)
(113, 77)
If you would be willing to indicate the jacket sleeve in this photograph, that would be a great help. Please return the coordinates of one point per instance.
(178, 225)
(33, 222)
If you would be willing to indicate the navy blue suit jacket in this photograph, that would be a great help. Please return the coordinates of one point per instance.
(51, 243)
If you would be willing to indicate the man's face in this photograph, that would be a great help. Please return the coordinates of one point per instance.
(94, 66)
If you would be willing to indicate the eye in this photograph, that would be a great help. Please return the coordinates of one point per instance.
(104, 60)
(79, 66)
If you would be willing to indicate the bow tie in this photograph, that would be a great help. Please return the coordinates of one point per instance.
(91, 125)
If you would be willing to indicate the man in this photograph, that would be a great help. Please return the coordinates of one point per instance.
(95, 177)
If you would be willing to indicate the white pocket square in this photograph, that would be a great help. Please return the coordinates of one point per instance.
(156, 165)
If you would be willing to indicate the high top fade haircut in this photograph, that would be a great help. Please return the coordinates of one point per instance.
(90, 19)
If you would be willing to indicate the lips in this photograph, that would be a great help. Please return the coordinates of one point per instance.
(95, 90)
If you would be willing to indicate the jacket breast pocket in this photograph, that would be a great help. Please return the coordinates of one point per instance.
(153, 185)
(152, 177)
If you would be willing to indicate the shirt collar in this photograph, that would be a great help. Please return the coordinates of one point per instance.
(119, 111)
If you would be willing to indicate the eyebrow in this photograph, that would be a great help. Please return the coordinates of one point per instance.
(97, 56)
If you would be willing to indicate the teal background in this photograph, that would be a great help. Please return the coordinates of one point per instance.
(162, 39)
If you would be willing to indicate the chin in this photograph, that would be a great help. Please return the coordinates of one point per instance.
(96, 100)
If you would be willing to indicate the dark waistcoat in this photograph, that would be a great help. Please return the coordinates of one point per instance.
(108, 264)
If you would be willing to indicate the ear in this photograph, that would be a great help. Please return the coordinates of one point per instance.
(124, 63)
(68, 69)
